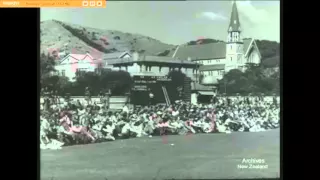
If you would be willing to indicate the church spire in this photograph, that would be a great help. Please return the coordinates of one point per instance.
(234, 25)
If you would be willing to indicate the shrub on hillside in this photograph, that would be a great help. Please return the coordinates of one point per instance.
(141, 51)
(203, 41)
(116, 38)
(88, 41)
(164, 53)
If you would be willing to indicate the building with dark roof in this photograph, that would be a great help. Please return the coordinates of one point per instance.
(152, 65)
(220, 57)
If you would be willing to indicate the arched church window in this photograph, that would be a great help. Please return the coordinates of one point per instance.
(231, 58)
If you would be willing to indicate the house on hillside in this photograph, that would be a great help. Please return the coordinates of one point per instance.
(70, 64)
(218, 58)
(73, 63)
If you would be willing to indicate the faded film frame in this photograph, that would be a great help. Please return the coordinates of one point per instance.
(24, 26)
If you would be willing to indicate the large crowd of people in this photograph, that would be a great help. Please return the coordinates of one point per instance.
(75, 122)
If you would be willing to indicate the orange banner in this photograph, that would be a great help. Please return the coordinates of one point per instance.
(54, 3)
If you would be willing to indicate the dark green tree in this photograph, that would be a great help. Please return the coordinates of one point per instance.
(119, 82)
(47, 64)
(177, 77)
(253, 81)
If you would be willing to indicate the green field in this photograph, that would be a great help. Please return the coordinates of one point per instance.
(196, 156)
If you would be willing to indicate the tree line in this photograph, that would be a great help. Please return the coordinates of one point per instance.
(256, 79)
(119, 82)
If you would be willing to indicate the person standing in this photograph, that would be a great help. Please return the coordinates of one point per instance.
(228, 101)
(151, 98)
(46, 92)
(52, 97)
(42, 92)
(56, 97)
(215, 99)
(107, 97)
(88, 95)
(101, 96)
(275, 102)
(180, 92)
(68, 97)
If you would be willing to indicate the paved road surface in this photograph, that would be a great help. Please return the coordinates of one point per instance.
(196, 156)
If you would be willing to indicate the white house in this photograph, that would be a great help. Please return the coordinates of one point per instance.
(70, 64)
(219, 58)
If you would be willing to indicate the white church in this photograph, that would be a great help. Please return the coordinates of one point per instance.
(219, 58)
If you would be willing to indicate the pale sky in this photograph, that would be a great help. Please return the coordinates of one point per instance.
(176, 22)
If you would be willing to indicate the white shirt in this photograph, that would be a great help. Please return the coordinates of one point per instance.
(175, 113)
(227, 121)
(125, 128)
(221, 128)
(125, 109)
(109, 129)
(97, 127)
(176, 124)
(206, 127)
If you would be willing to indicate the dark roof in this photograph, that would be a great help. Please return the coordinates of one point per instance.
(118, 61)
(158, 59)
(164, 59)
(205, 51)
(198, 87)
(212, 67)
(246, 43)
(113, 55)
(234, 19)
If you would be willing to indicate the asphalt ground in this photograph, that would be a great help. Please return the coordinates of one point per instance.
(195, 156)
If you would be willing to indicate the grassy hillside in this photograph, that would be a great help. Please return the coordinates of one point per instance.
(71, 38)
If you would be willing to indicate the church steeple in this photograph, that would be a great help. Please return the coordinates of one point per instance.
(234, 51)
(234, 30)
(234, 25)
